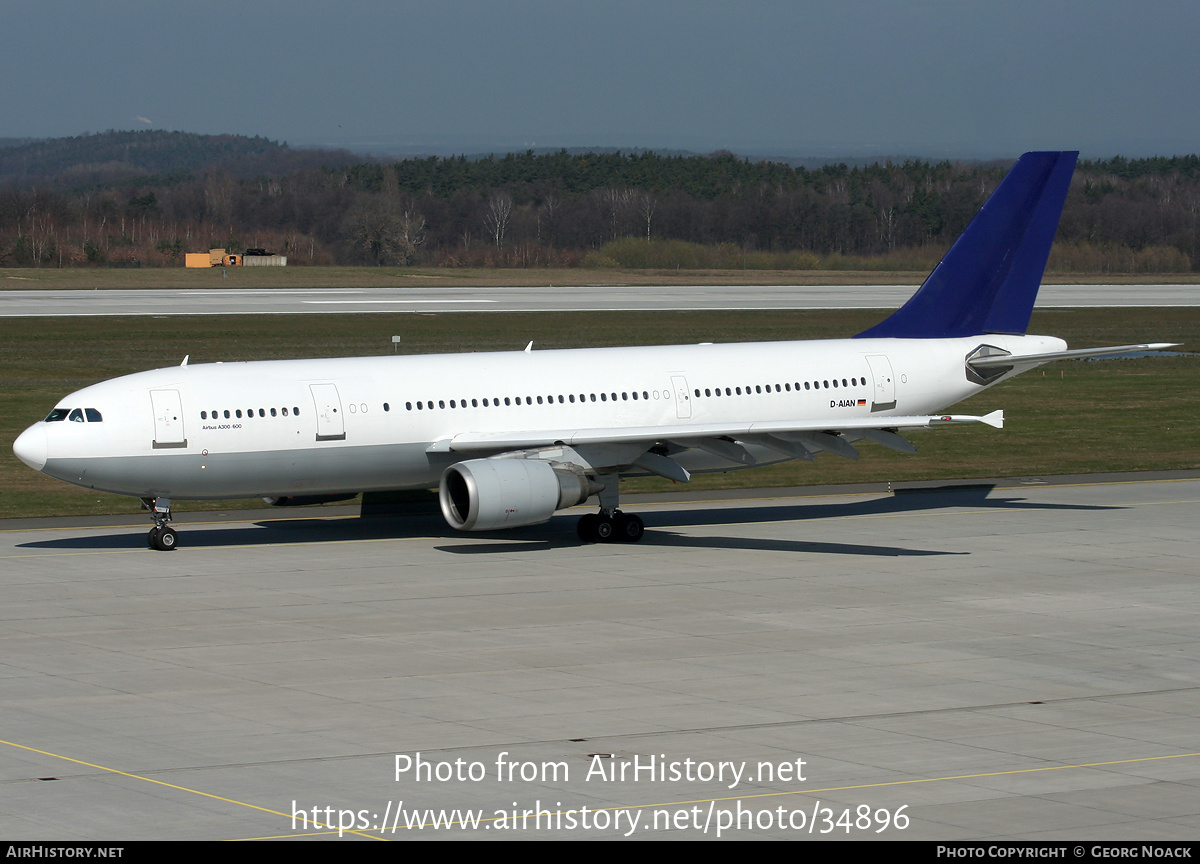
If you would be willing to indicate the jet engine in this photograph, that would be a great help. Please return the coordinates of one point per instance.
(484, 494)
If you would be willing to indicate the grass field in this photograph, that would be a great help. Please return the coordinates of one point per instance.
(1072, 417)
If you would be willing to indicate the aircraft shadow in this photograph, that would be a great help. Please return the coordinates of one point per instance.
(560, 532)
(659, 532)
(263, 533)
(933, 498)
(655, 537)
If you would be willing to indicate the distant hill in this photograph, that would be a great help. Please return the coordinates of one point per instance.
(114, 157)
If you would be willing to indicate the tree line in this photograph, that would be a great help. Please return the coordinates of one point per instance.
(569, 209)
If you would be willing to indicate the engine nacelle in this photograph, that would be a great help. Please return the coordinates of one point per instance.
(485, 494)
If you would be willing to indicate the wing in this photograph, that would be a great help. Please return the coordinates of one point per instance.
(650, 448)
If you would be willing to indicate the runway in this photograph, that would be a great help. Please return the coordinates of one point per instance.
(1017, 662)
(249, 301)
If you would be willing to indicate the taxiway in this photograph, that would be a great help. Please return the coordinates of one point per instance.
(1018, 661)
(249, 301)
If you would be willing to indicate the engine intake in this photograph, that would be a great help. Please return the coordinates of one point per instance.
(484, 494)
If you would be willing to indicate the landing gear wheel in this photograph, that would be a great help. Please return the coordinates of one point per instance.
(161, 537)
(586, 528)
(604, 529)
(630, 528)
(166, 539)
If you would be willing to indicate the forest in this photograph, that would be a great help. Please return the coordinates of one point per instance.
(145, 198)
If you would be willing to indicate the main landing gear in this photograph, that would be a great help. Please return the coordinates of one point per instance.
(610, 527)
(161, 537)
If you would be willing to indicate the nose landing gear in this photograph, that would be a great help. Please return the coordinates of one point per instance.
(161, 537)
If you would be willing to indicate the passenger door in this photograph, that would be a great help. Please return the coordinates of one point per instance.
(168, 419)
(328, 404)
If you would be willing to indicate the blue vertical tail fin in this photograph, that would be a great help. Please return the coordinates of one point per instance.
(989, 279)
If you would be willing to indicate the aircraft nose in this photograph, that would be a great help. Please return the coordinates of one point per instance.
(30, 447)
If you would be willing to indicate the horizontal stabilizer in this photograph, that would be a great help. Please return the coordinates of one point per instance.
(1028, 361)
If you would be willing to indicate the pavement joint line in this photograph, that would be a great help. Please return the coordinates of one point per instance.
(820, 791)
(155, 782)
(826, 789)
(909, 782)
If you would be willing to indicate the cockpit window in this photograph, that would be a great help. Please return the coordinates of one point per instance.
(93, 416)
(57, 414)
(76, 416)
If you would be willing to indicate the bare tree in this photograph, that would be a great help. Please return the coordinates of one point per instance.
(495, 220)
(374, 233)
(646, 204)
(546, 214)
(412, 235)
(616, 202)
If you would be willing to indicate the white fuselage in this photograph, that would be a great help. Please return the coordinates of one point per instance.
(307, 427)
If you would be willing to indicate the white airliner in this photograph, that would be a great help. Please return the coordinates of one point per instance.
(512, 437)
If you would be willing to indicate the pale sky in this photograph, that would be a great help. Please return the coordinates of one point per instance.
(932, 78)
